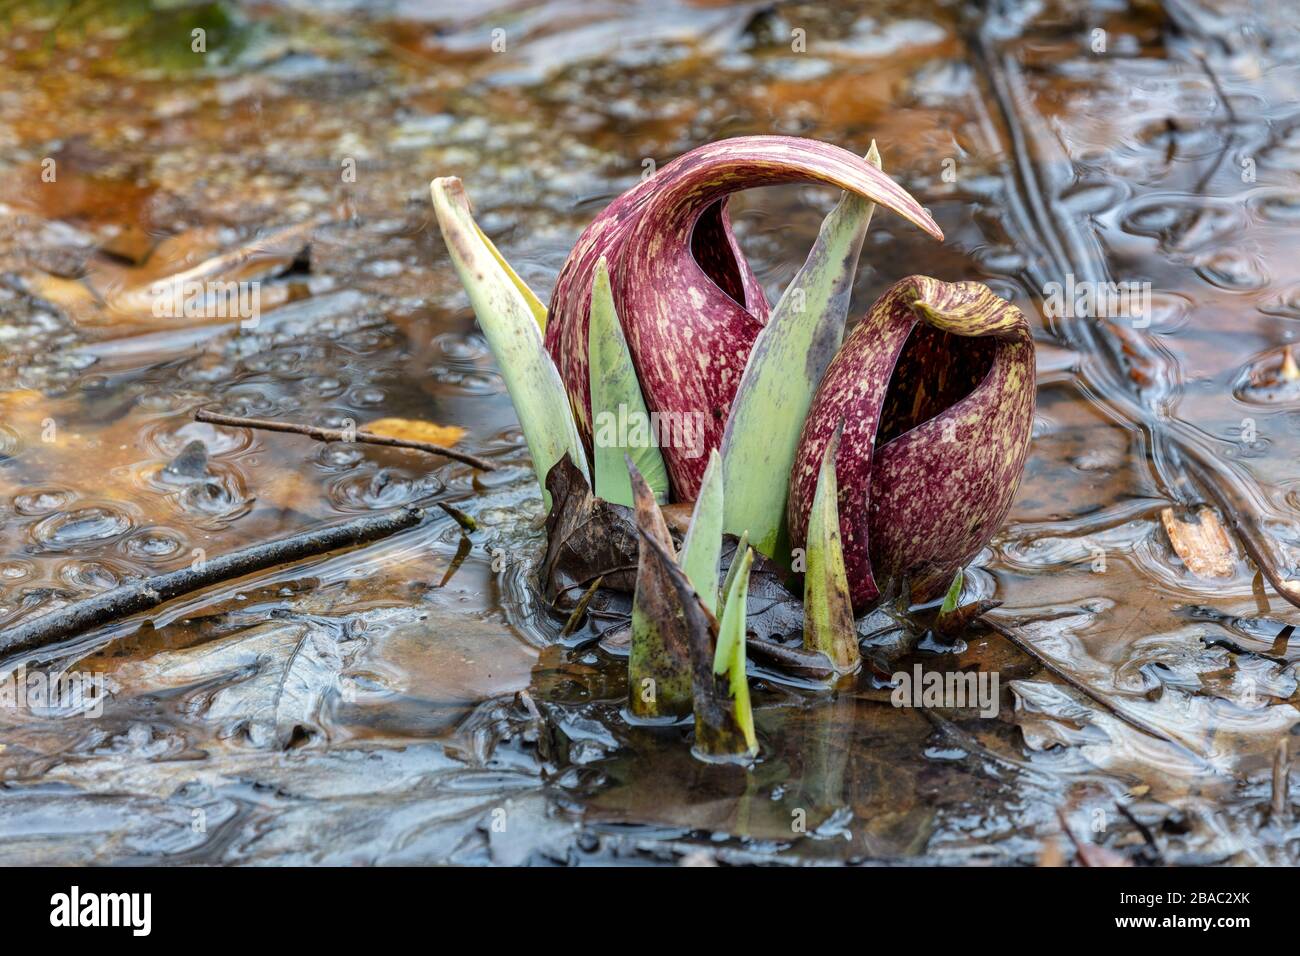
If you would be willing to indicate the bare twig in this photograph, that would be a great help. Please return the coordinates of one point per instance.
(340, 434)
(1027, 646)
(150, 592)
(580, 608)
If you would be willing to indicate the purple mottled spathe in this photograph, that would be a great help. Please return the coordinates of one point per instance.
(935, 389)
(688, 301)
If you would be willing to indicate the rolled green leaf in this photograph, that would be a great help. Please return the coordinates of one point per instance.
(953, 596)
(702, 547)
(787, 363)
(534, 304)
(741, 545)
(511, 319)
(729, 657)
(621, 423)
(659, 670)
(828, 609)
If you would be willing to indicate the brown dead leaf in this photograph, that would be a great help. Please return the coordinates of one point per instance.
(586, 538)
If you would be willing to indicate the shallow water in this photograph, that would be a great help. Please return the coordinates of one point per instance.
(412, 701)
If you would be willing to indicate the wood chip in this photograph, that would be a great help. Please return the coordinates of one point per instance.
(1201, 542)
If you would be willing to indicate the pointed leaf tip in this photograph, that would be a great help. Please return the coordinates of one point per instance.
(789, 359)
(954, 594)
(506, 312)
(702, 547)
(729, 656)
(828, 607)
(620, 420)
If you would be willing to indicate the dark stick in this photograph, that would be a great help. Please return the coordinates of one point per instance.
(1082, 687)
(150, 592)
(339, 434)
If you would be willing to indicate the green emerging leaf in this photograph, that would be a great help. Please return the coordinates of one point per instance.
(620, 420)
(702, 546)
(789, 358)
(511, 319)
(828, 610)
(729, 658)
(954, 594)
(741, 545)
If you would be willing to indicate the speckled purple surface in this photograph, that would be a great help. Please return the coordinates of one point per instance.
(676, 287)
(954, 433)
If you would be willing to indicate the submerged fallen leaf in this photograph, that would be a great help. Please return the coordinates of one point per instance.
(588, 538)
(411, 429)
(266, 683)
(186, 280)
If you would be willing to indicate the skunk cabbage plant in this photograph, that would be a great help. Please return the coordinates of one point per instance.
(884, 461)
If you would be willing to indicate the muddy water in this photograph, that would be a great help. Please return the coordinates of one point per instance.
(412, 701)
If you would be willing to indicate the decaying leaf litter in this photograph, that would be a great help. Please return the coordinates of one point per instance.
(1198, 662)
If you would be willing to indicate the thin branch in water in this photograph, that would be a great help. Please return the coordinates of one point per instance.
(341, 434)
(1147, 836)
(617, 569)
(1059, 672)
(466, 522)
(147, 593)
(580, 609)
(462, 552)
